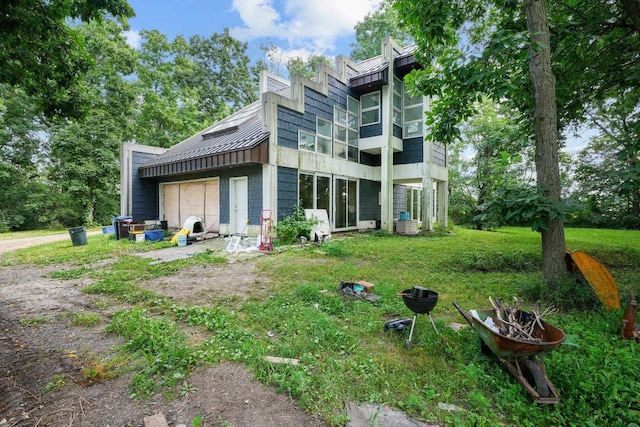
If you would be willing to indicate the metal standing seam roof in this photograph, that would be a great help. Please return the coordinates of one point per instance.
(239, 131)
(373, 68)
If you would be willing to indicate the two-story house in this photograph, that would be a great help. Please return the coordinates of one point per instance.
(350, 141)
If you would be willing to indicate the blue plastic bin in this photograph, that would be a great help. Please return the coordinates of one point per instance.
(154, 235)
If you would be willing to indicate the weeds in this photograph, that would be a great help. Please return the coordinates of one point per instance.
(57, 382)
(87, 320)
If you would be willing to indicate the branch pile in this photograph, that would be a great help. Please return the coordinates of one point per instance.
(516, 324)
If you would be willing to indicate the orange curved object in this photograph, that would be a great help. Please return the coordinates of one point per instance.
(597, 275)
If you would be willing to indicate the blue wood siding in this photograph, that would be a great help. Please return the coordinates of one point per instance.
(369, 207)
(371, 130)
(254, 193)
(287, 190)
(370, 159)
(144, 193)
(412, 152)
(397, 131)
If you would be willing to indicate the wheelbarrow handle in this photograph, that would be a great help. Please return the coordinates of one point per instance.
(466, 315)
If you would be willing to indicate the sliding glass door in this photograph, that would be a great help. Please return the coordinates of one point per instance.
(345, 202)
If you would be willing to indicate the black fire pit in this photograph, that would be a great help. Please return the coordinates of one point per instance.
(421, 301)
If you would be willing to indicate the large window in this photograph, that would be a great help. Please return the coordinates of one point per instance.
(324, 134)
(345, 134)
(306, 141)
(370, 108)
(315, 191)
(413, 116)
(319, 142)
(397, 101)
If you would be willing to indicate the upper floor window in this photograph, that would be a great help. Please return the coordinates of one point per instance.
(370, 108)
(306, 141)
(413, 115)
(324, 134)
(345, 133)
(320, 142)
(397, 101)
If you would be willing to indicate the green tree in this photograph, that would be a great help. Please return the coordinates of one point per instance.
(41, 53)
(608, 169)
(501, 152)
(307, 68)
(84, 152)
(373, 29)
(21, 148)
(170, 108)
(225, 79)
(503, 50)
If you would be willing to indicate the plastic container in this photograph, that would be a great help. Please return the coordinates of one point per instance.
(182, 240)
(404, 216)
(78, 236)
(108, 230)
(154, 235)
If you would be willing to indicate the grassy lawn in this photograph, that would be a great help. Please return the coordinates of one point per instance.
(343, 350)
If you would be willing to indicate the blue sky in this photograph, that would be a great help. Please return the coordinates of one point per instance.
(296, 27)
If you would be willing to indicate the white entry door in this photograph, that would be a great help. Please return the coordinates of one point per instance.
(238, 204)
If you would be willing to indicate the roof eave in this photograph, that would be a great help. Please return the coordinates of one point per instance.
(256, 154)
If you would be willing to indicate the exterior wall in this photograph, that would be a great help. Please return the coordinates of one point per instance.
(371, 130)
(412, 153)
(370, 159)
(287, 190)
(399, 200)
(145, 193)
(138, 198)
(255, 189)
(369, 200)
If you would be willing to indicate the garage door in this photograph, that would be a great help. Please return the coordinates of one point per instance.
(180, 200)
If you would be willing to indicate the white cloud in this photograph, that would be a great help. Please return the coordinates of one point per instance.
(311, 27)
(133, 38)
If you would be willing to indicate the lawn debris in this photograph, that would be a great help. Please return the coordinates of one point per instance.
(360, 290)
(630, 329)
(281, 360)
(514, 323)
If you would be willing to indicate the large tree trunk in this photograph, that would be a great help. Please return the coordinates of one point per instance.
(546, 133)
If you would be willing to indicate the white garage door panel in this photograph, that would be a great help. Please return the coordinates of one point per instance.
(195, 198)
(171, 205)
(212, 203)
(191, 200)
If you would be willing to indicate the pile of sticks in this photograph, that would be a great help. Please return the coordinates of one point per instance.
(520, 326)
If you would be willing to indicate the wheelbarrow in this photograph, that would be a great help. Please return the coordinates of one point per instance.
(524, 359)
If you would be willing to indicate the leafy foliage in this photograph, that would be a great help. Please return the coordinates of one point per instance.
(373, 29)
(296, 225)
(45, 56)
(520, 204)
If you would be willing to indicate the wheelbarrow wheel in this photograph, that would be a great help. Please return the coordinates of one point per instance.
(535, 377)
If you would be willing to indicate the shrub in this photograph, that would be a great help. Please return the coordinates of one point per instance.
(296, 225)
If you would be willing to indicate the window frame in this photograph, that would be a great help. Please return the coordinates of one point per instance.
(398, 94)
(327, 139)
(377, 107)
(407, 124)
(307, 133)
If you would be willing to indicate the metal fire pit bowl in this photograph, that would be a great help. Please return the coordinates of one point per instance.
(421, 301)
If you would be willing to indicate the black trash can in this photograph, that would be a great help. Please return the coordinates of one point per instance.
(78, 236)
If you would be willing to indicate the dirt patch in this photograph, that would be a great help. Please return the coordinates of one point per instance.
(42, 357)
(206, 283)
